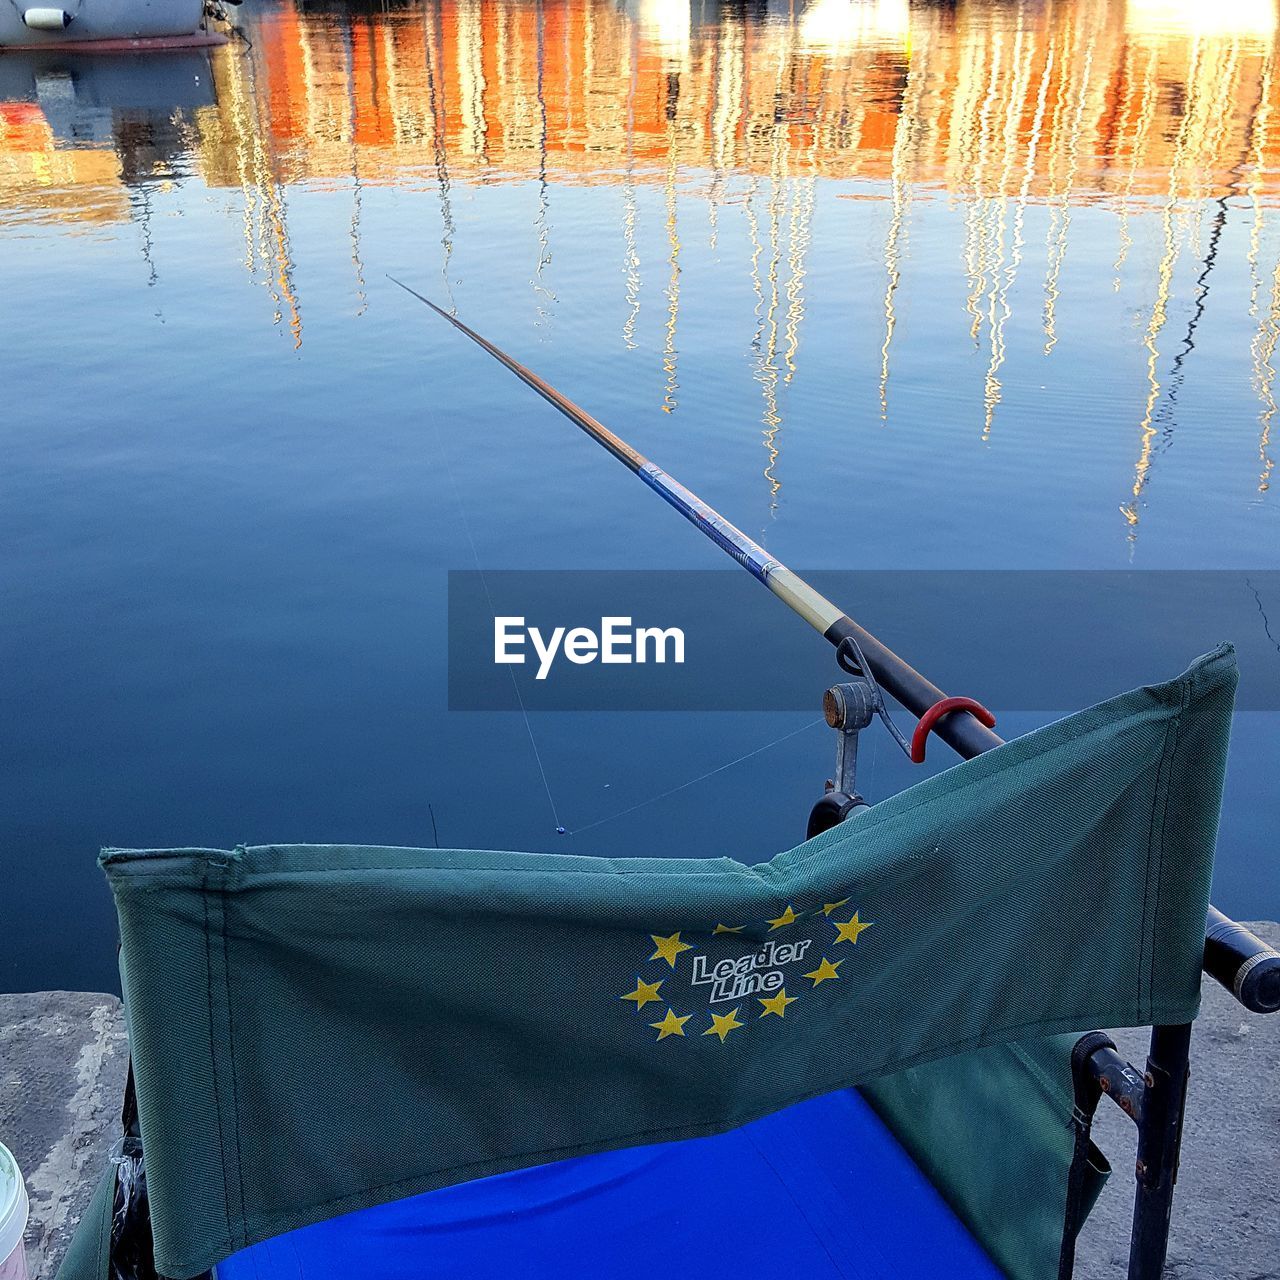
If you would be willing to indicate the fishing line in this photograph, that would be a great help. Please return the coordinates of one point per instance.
(484, 582)
(1266, 622)
(969, 736)
(702, 777)
(528, 724)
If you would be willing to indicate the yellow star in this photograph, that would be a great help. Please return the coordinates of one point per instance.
(727, 928)
(825, 971)
(829, 907)
(787, 917)
(671, 1025)
(644, 992)
(848, 932)
(777, 1004)
(669, 948)
(723, 1024)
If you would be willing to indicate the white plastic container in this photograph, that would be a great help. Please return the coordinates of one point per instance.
(13, 1218)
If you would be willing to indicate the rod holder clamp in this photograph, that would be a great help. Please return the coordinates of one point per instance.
(848, 708)
(944, 708)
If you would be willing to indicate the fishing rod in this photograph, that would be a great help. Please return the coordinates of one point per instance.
(1237, 958)
(959, 727)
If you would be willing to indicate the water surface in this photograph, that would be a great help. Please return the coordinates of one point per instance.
(984, 285)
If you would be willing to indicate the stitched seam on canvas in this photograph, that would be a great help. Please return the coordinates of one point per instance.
(1173, 734)
(213, 1048)
(1147, 947)
(1054, 1092)
(802, 1210)
(235, 1082)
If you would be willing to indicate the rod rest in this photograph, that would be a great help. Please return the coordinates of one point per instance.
(1242, 962)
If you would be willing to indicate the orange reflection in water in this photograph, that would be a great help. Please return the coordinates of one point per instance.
(505, 88)
(79, 185)
(584, 90)
(1160, 109)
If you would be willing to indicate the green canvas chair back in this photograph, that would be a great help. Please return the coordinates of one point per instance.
(318, 1029)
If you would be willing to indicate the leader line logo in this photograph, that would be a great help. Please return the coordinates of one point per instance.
(739, 980)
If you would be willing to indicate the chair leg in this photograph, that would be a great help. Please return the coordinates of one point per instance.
(1159, 1144)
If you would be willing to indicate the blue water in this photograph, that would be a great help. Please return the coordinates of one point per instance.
(238, 462)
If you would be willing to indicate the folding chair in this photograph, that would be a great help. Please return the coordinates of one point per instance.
(863, 1058)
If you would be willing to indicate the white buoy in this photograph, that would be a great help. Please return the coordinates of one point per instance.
(47, 19)
(13, 1219)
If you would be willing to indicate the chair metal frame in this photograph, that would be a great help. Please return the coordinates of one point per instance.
(1155, 1099)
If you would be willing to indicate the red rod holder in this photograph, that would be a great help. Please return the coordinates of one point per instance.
(945, 708)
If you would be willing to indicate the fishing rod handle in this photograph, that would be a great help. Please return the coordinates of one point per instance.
(1242, 962)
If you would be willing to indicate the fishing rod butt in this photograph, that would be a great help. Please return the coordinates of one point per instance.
(1242, 962)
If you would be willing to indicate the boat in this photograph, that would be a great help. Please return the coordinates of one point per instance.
(109, 26)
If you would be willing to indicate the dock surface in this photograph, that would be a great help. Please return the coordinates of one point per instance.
(63, 1057)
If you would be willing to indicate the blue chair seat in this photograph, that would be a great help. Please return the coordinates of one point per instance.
(819, 1190)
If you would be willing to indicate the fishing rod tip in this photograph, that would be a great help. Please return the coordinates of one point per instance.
(409, 290)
